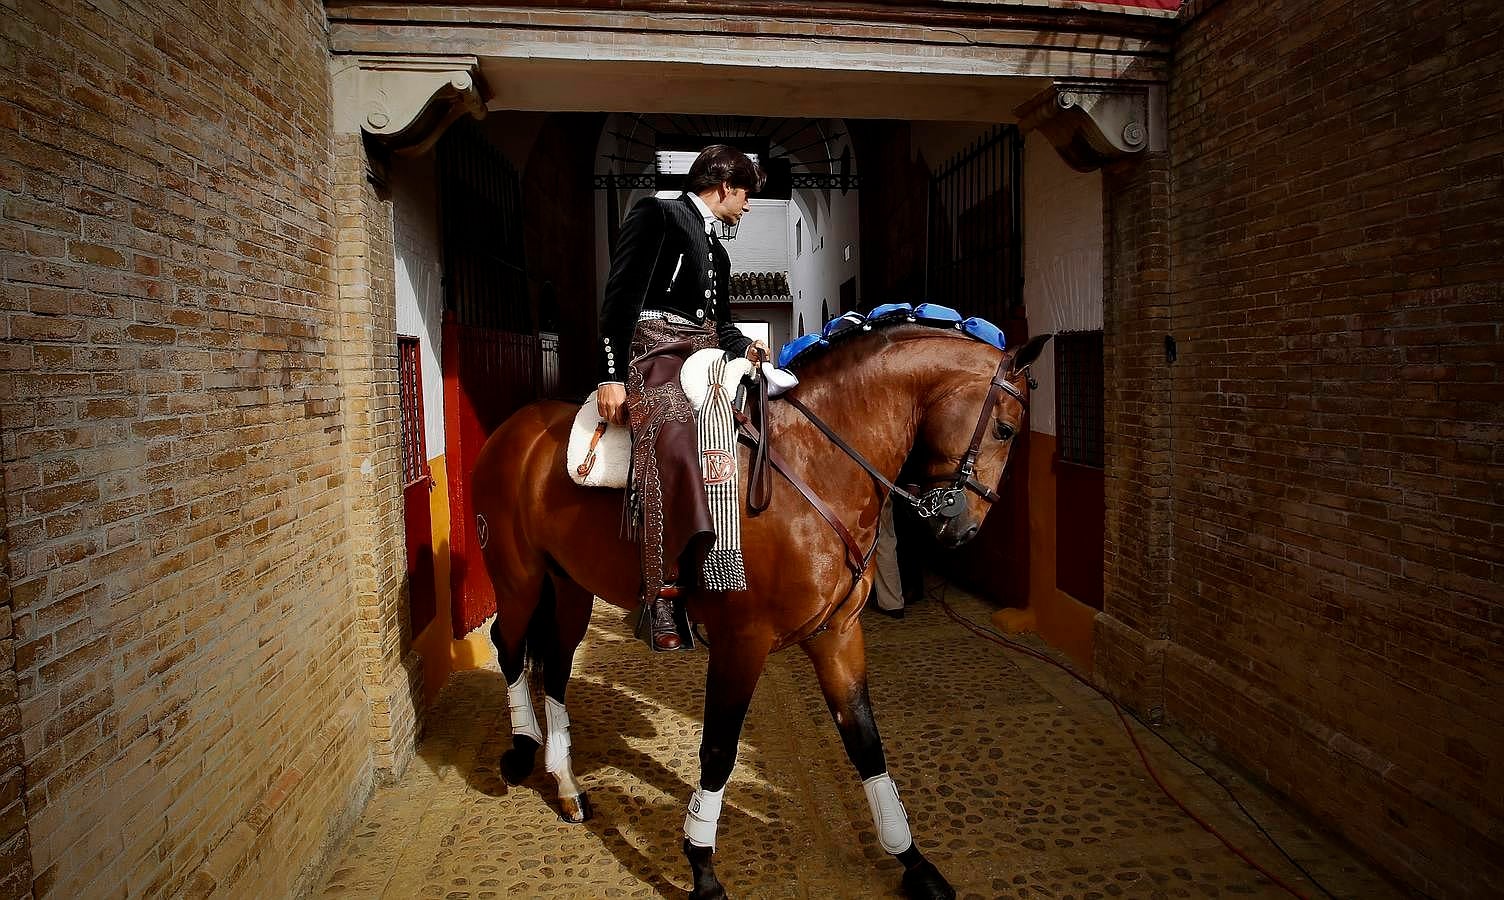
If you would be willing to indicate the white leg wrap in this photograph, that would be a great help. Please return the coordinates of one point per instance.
(556, 749)
(524, 720)
(704, 815)
(888, 813)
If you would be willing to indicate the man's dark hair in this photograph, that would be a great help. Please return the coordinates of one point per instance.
(722, 162)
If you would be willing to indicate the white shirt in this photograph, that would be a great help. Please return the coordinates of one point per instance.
(705, 212)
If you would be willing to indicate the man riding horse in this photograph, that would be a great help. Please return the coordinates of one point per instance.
(667, 297)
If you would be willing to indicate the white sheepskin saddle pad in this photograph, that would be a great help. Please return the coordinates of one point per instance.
(607, 465)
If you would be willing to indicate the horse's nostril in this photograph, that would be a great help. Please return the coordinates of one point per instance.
(970, 533)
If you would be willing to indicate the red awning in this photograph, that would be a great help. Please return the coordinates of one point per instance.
(1135, 4)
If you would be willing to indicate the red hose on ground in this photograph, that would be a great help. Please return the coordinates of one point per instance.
(1143, 757)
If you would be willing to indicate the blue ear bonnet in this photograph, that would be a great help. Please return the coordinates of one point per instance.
(847, 324)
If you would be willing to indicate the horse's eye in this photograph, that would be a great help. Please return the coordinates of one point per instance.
(1002, 431)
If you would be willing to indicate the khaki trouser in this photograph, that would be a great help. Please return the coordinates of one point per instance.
(887, 586)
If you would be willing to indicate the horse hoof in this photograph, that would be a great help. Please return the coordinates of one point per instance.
(574, 810)
(924, 882)
(702, 870)
(517, 763)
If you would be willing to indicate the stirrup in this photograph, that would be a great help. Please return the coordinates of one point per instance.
(676, 627)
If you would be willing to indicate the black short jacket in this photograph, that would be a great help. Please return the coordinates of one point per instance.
(664, 261)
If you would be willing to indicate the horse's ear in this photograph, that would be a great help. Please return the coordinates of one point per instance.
(1029, 353)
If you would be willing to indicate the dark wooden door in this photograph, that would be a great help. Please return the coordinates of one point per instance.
(417, 483)
(1080, 501)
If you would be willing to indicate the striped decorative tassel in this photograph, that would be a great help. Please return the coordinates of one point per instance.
(724, 568)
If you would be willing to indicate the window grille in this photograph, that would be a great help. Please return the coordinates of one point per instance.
(1078, 397)
(410, 384)
(548, 350)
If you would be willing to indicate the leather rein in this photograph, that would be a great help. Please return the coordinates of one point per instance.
(946, 501)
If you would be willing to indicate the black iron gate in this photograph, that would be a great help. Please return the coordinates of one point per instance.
(974, 263)
(974, 258)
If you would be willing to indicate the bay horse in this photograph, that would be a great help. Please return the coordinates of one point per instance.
(551, 545)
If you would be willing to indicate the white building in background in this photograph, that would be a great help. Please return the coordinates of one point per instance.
(811, 238)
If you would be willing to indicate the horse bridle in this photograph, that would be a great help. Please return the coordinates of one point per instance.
(949, 499)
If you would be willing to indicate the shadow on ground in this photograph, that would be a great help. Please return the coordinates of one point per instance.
(1018, 783)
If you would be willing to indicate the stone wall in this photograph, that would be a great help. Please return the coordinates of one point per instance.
(177, 438)
(1338, 271)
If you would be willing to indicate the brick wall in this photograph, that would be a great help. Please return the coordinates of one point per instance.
(367, 362)
(172, 362)
(1337, 601)
(1130, 635)
(15, 837)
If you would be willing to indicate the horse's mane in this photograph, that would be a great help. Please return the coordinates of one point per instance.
(847, 350)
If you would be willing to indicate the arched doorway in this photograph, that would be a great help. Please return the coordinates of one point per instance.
(800, 244)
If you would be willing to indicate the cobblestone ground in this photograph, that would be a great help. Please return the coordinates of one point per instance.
(1018, 781)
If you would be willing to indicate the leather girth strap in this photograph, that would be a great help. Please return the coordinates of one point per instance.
(856, 560)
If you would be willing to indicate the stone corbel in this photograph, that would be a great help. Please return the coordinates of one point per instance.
(404, 103)
(1092, 123)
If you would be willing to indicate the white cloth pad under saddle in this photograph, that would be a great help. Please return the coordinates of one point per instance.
(613, 452)
(695, 376)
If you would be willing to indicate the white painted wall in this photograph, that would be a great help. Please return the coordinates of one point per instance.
(1062, 260)
(762, 239)
(804, 281)
(420, 292)
(830, 225)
